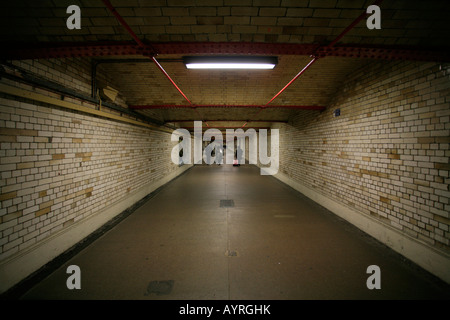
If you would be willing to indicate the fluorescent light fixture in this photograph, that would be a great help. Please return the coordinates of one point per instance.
(230, 62)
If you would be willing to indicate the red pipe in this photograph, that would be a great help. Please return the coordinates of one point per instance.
(290, 82)
(141, 44)
(123, 23)
(339, 37)
(354, 23)
(294, 107)
(170, 79)
(173, 106)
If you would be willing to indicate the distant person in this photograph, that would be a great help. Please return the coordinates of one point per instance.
(219, 155)
(238, 156)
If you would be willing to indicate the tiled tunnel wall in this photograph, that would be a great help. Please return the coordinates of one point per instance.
(387, 155)
(60, 168)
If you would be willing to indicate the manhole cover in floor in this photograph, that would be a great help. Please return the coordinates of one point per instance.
(159, 287)
(226, 203)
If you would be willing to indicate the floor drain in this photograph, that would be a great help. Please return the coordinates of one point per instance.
(226, 203)
(159, 287)
(231, 253)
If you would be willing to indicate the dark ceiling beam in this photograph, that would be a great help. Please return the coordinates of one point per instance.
(173, 106)
(386, 53)
(22, 51)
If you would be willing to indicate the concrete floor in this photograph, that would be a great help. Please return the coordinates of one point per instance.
(273, 244)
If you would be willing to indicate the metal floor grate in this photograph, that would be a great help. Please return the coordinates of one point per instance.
(231, 253)
(160, 287)
(226, 203)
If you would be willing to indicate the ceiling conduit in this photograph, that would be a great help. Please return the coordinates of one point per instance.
(14, 51)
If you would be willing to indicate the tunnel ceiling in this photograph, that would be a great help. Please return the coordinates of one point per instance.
(290, 30)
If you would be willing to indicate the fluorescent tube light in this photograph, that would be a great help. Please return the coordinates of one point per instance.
(230, 62)
(229, 66)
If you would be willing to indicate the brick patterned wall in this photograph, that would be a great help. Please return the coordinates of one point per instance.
(387, 154)
(59, 167)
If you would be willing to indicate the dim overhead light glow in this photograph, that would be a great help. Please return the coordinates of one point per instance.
(226, 62)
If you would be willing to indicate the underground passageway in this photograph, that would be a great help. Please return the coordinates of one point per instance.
(224, 232)
(337, 111)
